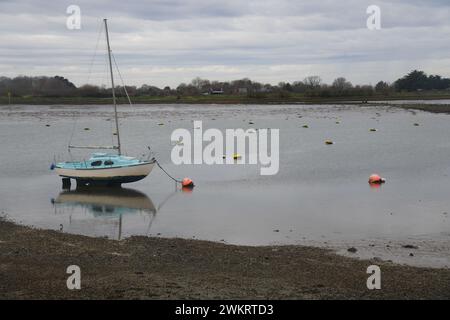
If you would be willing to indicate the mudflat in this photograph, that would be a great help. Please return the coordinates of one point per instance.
(33, 265)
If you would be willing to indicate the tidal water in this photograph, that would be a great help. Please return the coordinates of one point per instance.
(319, 197)
(430, 101)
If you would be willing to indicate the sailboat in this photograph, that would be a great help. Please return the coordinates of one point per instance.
(105, 168)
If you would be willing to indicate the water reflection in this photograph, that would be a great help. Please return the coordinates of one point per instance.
(101, 211)
(106, 201)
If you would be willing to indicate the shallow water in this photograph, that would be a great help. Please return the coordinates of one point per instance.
(429, 101)
(319, 197)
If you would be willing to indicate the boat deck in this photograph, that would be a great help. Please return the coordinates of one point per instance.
(100, 161)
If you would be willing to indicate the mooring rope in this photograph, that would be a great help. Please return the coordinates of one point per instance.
(179, 181)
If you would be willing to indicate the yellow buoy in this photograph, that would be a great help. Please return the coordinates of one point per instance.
(329, 142)
(235, 156)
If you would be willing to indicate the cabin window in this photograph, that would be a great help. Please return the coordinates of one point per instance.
(97, 208)
(109, 163)
(96, 163)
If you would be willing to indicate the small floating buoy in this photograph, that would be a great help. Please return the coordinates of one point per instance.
(235, 156)
(187, 183)
(47, 125)
(375, 178)
(114, 133)
(160, 124)
(305, 126)
(251, 122)
(179, 142)
(372, 129)
(87, 129)
(329, 142)
(416, 124)
(338, 122)
(187, 189)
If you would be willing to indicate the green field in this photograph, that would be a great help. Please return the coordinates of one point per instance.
(225, 99)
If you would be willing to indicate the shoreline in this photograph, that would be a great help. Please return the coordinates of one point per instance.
(427, 107)
(220, 99)
(33, 265)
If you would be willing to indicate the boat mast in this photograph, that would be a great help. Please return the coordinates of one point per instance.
(112, 86)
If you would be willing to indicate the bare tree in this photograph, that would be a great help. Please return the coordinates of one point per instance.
(341, 84)
(312, 82)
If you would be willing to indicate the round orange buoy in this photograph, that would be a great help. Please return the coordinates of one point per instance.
(187, 189)
(375, 186)
(375, 178)
(187, 183)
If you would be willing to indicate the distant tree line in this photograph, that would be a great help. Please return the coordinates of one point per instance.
(312, 86)
(418, 80)
(36, 86)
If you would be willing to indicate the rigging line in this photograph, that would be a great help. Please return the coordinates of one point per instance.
(73, 129)
(150, 224)
(121, 79)
(100, 29)
(104, 75)
(165, 200)
(112, 131)
(89, 77)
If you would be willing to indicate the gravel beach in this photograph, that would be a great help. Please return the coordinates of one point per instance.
(33, 266)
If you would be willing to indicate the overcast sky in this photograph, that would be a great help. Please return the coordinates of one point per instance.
(165, 42)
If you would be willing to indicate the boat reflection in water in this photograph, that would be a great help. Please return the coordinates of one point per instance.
(96, 211)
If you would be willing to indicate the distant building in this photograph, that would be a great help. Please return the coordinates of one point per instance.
(216, 91)
(265, 90)
(212, 91)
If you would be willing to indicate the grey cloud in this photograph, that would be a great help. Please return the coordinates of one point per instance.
(227, 38)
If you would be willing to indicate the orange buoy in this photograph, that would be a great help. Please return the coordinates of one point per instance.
(375, 178)
(187, 189)
(375, 186)
(187, 183)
